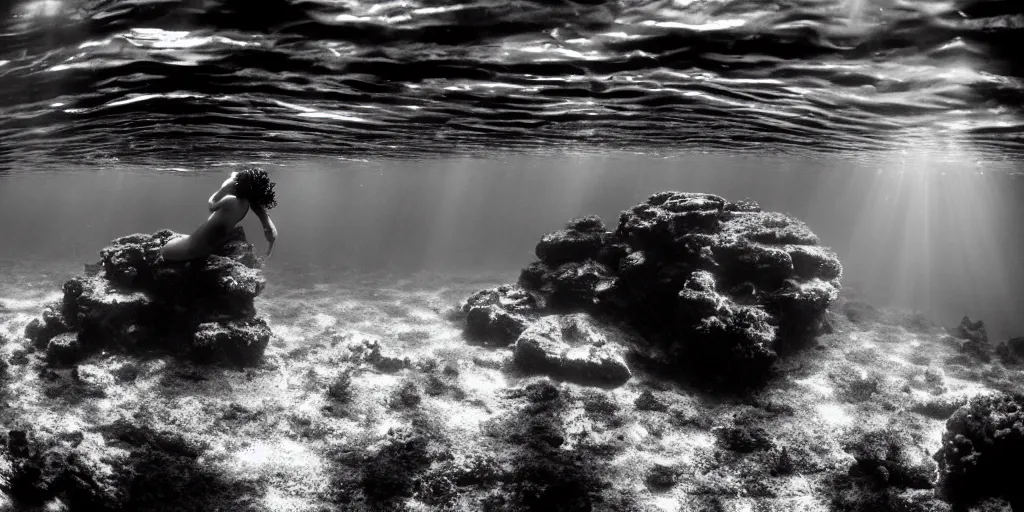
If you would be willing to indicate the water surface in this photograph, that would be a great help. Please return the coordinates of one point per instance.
(169, 80)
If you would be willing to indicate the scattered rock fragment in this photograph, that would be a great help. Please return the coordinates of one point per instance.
(571, 348)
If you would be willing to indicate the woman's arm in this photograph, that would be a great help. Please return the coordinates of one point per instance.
(217, 199)
(218, 203)
(269, 230)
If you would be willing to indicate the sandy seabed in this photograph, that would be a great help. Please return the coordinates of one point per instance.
(370, 398)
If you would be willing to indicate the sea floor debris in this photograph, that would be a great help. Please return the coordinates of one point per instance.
(350, 410)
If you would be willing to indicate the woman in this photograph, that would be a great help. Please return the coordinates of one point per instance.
(249, 189)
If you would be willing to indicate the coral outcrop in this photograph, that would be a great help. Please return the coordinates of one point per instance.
(78, 471)
(1011, 350)
(711, 284)
(982, 449)
(132, 300)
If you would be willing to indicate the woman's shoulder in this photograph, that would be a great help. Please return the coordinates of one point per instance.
(233, 203)
(234, 200)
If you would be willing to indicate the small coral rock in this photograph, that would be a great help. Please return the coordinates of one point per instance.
(563, 348)
(93, 379)
(498, 315)
(940, 407)
(491, 323)
(744, 439)
(982, 446)
(581, 239)
(970, 330)
(64, 349)
(1011, 350)
(241, 342)
(394, 470)
(892, 458)
(370, 351)
(860, 312)
(648, 402)
(40, 471)
(660, 477)
(40, 330)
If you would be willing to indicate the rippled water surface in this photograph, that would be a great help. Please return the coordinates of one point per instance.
(185, 79)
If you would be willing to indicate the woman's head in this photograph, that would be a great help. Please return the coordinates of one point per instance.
(254, 185)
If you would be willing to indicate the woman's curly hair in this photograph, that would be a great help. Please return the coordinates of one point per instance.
(254, 185)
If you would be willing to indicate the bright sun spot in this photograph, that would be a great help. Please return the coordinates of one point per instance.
(833, 414)
(284, 452)
(41, 8)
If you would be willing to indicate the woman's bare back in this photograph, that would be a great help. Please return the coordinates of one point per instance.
(229, 204)
(208, 235)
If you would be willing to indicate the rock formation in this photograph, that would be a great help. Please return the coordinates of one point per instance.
(573, 348)
(981, 450)
(719, 289)
(1011, 350)
(134, 301)
(971, 339)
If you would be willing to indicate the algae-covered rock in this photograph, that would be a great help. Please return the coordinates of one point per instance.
(122, 466)
(133, 300)
(722, 288)
(64, 349)
(50, 324)
(582, 239)
(392, 471)
(647, 401)
(238, 341)
(370, 351)
(982, 450)
(571, 348)
(971, 339)
(1011, 351)
(970, 330)
(744, 439)
(892, 459)
(499, 315)
(93, 379)
(72, 469)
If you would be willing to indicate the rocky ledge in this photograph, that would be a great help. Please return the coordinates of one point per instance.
(712, 289)
(132, 301)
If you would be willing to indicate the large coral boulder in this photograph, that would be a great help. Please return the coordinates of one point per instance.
(722, 288)
(134, 300)
(982, 450)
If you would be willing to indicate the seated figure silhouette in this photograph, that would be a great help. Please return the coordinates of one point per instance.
(245, 190)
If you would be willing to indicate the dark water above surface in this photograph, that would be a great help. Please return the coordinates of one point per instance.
(203, 80)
